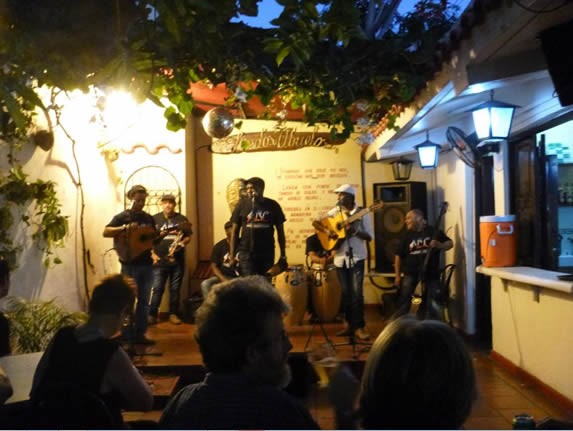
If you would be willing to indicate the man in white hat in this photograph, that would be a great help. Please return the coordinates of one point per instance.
(349, 244)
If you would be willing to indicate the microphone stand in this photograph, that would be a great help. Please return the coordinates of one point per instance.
(349, 283)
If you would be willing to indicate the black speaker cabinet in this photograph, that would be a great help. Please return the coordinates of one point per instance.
(559, 59)
(389, 222)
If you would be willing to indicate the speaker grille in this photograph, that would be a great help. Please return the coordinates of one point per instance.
(390, 222)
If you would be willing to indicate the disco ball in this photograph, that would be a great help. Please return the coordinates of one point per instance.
(218, 123)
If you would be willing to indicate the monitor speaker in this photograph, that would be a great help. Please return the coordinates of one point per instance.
(389, 222)
(559, 59)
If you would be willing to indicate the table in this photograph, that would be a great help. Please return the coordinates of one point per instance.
(20, 370)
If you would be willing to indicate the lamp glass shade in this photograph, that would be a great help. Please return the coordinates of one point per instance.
(402, 168)
(428, 154)
(492, 120)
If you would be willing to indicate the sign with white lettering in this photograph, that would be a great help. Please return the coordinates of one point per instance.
(272, 140)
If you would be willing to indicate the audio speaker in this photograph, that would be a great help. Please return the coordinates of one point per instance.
(559, 59)
(389, 222)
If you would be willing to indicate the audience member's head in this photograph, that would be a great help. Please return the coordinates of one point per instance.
(113, 295)
(419, 375)
(240, 329)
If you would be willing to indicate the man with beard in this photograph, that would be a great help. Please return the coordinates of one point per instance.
(255, 220)
(245, 348)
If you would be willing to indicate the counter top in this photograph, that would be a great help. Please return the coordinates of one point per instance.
(529, 275)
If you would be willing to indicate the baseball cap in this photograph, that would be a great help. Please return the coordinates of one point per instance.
(346, 188)
(168, 197)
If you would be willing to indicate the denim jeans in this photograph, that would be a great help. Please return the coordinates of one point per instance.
(162, 275)
(351, 280)
(142, 275)
(429, 309)
(253, 264)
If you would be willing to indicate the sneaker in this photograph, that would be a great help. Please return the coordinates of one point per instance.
(362, 334)
(151, 320)
(344, 333)
(173, 318)
(142, 339)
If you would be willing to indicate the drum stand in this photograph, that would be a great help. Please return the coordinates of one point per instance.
(318, 322)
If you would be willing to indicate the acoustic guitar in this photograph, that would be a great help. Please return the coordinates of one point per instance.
(132, 243)
(332, 230)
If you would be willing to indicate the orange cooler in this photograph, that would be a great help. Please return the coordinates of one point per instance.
(498, 240)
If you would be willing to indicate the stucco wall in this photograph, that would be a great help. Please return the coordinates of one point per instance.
(535, 335)
(103, 185)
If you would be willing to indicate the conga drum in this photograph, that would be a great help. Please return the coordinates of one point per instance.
(326, 293)
(292, 287)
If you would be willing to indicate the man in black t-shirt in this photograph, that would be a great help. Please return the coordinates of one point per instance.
(133, 231)
(169, 258)
(409, 259)
(254, 221)
(221, 263)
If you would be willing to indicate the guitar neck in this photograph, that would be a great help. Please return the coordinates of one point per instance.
(358, 215)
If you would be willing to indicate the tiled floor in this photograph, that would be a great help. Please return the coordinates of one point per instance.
(501, 396)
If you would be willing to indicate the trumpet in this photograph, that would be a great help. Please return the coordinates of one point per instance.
(177, 242)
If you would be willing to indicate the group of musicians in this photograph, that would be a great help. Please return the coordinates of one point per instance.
(341, 239)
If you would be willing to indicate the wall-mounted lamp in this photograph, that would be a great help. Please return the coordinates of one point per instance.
(492, 119)
(428, 153)
(402, 168)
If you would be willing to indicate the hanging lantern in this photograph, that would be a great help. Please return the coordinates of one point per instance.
(218, 123)
(401, 169)
(492, 119)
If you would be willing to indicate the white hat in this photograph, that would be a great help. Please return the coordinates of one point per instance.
(346, 188)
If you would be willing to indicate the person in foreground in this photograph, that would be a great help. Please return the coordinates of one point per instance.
(244, 347)
(86, 357)
(419, 375)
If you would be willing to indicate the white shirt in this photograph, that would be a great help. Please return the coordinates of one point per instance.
(359, 251)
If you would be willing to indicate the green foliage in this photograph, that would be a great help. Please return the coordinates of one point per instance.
(318, 56)
(33, 324)
(50, 226)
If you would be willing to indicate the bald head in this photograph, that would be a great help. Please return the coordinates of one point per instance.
(415, 220)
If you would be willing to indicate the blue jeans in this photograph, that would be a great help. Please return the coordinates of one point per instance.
(142, 275)
(351, 280)
(161, 275)
(253, 264)
(429, 309)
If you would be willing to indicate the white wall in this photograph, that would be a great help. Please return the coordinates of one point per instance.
(535, 335)
(103, 184)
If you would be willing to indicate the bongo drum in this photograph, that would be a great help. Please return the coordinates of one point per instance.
(293, 289)
(326, 293)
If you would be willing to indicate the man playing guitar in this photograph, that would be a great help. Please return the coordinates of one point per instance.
(349, 256)
(133, 231)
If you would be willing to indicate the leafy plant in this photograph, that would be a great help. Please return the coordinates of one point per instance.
(33, 324)
(49, 226)
(322, 56)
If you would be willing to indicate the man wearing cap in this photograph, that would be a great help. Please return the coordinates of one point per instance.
(169, 258)
(349, 255)
(221, 263)
(255, 219)
(133, 231)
